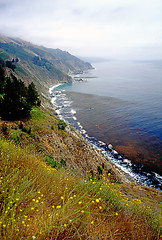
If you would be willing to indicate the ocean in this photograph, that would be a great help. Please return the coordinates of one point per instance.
(119, 103)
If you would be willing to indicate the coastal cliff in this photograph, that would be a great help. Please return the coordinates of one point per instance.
(56, 185)
(43, 66)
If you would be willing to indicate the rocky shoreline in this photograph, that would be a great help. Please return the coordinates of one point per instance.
(123, 166)
(99, 157)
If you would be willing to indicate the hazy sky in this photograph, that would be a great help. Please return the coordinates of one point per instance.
(104, 28)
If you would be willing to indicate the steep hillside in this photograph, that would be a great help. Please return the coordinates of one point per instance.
(67, 62)
(55, 185)
(39, 64)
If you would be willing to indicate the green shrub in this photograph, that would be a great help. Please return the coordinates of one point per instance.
(100, 170)
(15, 136)
(61, 125)
(26, 129)
(52, 163)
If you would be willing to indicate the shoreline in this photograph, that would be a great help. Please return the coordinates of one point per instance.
(122, 165)
(53, 87)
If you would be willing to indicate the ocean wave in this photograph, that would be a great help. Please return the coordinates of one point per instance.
(136, 172)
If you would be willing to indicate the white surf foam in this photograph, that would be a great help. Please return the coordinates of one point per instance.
(73, 111)
(55, 86)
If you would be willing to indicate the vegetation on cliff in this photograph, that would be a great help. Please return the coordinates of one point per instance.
(16, 100)
(43, 66)
(51, 187)
(56, 185)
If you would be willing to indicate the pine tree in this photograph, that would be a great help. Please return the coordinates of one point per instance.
(17, 100)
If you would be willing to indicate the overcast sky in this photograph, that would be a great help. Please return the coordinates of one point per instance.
(122, 29)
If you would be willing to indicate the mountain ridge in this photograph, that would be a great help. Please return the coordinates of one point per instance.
(44, 66)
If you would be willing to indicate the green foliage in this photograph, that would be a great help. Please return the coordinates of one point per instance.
(50, 162)
(32, 95)
(17, 100)
(17, 50)
(100, 170)
(42, 62)
(37, 114)
(15, 136)
(21, 70)
(61, 125)
(3, 54)
(2, 80)
(2, 63)
(54, 164)
(26, 129)
(9, 64)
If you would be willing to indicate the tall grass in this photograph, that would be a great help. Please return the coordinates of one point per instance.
(40, 202)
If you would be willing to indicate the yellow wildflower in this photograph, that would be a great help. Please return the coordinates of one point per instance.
(58, 207)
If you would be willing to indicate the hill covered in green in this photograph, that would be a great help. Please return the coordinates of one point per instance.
(43, 66)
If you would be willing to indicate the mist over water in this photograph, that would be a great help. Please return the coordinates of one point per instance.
(121, 104)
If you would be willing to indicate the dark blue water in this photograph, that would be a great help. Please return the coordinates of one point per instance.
(120, 103)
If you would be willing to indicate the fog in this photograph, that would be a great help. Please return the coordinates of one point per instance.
(118, 29)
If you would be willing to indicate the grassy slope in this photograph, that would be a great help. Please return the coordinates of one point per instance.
(67, 203)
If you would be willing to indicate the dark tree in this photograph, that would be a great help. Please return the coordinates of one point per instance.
(2, 80)
(9, 64)
(17, 99)
(2, 63)
(32, 94)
